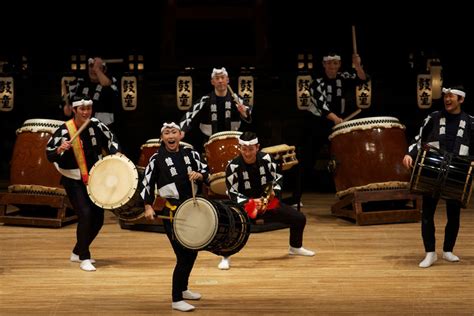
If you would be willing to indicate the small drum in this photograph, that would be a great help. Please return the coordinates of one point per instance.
(150, 147)
(443, 175)
(114, 185)
(30, 171)
(221, 148)
(367, 154)
(283, 155)
(218, 226)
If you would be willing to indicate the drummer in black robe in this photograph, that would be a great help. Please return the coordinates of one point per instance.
(74, 160)
(450, 130)
(252, 182)
(217, 111)
(173, 169)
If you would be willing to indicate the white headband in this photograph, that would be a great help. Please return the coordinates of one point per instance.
(220, 71)
(170, 125)
(331, 57)
(248, 142)
(81, 102)
(454, 91)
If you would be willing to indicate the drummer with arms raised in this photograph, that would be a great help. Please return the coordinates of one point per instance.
(74, 156)
(217, 111)
(173, 169)
(449, 130)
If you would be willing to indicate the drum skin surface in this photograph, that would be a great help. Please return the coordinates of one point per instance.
(113, 182)
(220, 149)
(218, 226)
(29, 165)
(196, 224)
(368, 151)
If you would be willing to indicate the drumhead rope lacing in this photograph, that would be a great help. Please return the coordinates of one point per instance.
(391, 185)
(36, 189)
(365, 124)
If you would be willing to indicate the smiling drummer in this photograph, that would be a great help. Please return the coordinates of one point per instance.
(173, 169)
(74, 159)
(450, 130)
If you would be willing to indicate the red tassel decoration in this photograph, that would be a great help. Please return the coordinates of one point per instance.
(251, 209)
(274, 203)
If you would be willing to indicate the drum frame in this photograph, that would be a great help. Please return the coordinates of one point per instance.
(231, 231)
(130, 207)
(445, 166)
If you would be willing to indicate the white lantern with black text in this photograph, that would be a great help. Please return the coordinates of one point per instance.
(184, 92)
(129, 93)
(423, 91)
(246, 89)
(364, 95)
(7, 94)
(302, 91)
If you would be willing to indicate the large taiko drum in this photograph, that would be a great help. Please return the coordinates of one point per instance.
(30, 171)
(218, 226)
(221, 148)
(440, 174)
(114, 185)
(150, 147)
(367, 154)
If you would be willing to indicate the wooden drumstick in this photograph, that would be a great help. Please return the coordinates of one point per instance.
(171, 218)
(194, 191)
(354, 42)
(351, 116)
(79, 131)
(236, 98)
(113, 60)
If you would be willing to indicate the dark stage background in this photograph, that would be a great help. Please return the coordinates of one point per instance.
(253, 33)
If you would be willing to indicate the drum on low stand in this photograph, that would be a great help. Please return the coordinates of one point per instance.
(368, 172)
(442, 175)
(221, 148)
(114, 185)
(35, 188)
(367, 154)
(218, 226)
(283, 155)
(31, 172)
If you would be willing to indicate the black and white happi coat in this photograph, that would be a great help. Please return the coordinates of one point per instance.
(168, 171)
(245, 181)
(433, 132)
(106, 99)
(214, 117)
(95, 138)
(327, 95)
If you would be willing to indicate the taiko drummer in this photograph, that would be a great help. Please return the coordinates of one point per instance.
(449, 130)
(220, 110)
(74, 148)
(173, 169)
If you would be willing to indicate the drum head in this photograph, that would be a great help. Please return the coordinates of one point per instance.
(195, 224)
(40, 125)
(112, 181)
(217, 183)
(224, 135)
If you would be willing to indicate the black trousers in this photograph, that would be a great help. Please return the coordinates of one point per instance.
(290, 216)
(185, 259)
(453, 212)
(90, 216)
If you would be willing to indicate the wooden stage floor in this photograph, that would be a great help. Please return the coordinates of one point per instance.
(357, 270)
